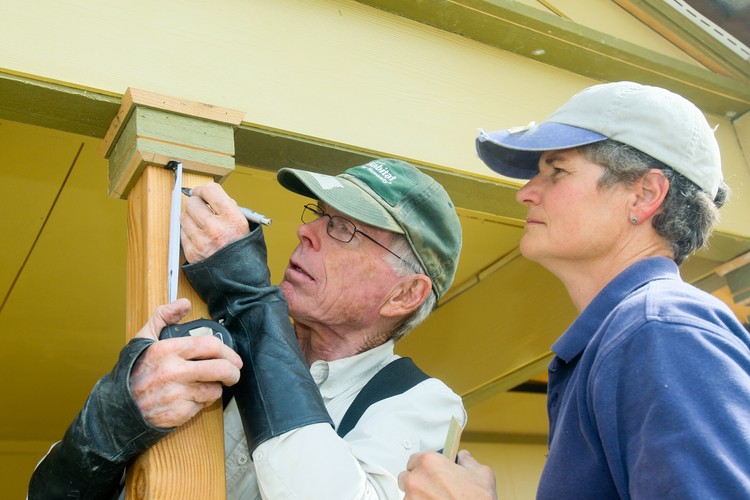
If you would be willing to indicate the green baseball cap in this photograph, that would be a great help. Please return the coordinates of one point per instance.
(393, 195)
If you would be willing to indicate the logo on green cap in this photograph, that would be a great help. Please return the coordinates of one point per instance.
(393, 181)
(380, 171)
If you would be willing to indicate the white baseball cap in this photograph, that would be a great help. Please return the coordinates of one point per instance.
(660, 123)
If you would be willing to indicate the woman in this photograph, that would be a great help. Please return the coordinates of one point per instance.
(649, 391)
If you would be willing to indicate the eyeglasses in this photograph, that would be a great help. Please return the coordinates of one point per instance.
(340, 229)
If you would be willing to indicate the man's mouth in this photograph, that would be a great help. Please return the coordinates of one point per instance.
(298, 270)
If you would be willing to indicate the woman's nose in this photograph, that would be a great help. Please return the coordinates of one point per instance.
(529, 193)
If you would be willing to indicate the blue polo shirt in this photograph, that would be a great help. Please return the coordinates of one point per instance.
(649, 394)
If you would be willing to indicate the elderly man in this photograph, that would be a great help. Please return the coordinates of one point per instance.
(323, 407)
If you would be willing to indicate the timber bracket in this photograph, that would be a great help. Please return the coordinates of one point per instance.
(152, 129)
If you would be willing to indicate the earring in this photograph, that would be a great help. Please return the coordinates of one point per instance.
(634, 220)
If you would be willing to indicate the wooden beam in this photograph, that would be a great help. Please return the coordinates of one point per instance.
(143, 138)
(737, 274)
(734, 264)
(507, 380)
(739, 285)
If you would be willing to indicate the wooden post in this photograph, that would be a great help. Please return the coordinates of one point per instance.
(149, 131)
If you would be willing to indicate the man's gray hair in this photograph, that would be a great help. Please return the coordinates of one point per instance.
(688, 214)
(400, 246)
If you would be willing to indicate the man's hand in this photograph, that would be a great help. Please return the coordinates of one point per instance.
(210, 220)
(176, 378)
(432, 476)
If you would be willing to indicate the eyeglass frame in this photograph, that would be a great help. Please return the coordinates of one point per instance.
(319, 212)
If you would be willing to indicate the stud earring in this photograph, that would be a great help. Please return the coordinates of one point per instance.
(634, 220)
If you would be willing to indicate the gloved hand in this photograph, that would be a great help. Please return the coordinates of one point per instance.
(109, 431)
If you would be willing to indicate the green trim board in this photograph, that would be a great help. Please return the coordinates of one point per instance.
(152, 135)
(272, 150)
(56, 106)
(547, 38)
(724, 53)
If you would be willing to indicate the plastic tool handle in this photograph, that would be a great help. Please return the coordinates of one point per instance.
(198, 327)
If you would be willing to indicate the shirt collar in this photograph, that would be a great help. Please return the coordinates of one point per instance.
(334, 377)
(577, 336)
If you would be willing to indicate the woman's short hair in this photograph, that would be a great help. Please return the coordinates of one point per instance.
(688, 214)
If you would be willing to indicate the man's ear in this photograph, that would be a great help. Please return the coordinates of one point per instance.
(650, 192)
(407, 295)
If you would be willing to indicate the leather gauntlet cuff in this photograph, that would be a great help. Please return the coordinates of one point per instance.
(234, 277)
(276, 392)
(107, 433)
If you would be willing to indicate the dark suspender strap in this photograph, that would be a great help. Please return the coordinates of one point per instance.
(394, 378)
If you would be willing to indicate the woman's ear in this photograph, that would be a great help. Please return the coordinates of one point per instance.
(408, 294)
(650, 192)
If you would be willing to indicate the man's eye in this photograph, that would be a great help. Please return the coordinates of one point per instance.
(342, 227)
(339, 225)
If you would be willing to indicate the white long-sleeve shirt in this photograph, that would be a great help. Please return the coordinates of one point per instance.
(313, 462)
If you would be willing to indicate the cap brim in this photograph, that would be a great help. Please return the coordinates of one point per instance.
(341, 194)
(516, 154)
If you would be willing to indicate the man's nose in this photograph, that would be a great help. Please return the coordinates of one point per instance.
(310, 233)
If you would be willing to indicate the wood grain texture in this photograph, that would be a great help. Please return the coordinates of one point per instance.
(189, 463)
